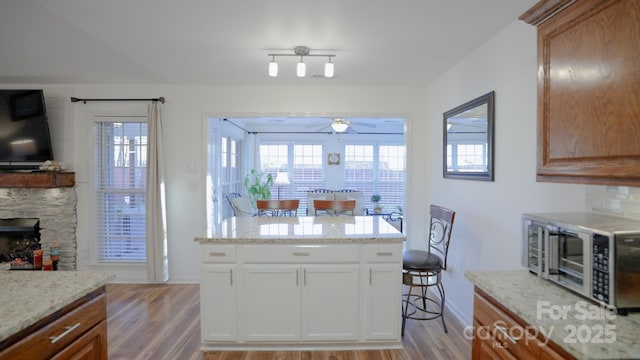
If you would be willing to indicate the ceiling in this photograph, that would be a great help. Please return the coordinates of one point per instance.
(226, 42)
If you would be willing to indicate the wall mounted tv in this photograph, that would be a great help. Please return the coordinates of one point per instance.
(25, 140)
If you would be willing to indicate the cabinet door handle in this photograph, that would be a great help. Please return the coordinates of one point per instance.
(305, 277)
(55, 339)
(300, 254)
(503, 330)
(231, 277)
(297, 277)
(216, 253)
(370, 276)
(384, 253)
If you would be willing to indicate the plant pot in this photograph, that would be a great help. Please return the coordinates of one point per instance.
(377, 210)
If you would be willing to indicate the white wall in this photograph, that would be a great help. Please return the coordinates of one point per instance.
(487, 233)
(184, 116)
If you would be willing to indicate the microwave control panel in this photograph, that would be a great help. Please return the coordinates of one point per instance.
(601, 281)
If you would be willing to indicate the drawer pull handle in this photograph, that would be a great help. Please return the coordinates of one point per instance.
(386, 253)
(300, 254)
(503, 330)
(55, 339)
(212, 253)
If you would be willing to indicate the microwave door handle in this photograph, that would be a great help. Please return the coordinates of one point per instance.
(542, 235)
(547, 254)
(552, 254)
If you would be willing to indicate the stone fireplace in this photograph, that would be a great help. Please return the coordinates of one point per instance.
(51, 198)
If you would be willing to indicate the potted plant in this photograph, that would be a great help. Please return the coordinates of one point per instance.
(257, 185)
(375, 199)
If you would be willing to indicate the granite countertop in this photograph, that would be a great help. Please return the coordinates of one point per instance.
(304, 229)
(28, 296)
(585, 330)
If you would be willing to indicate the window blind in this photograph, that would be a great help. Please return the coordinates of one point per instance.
(120, 188)
(377, 169)
(305, 172)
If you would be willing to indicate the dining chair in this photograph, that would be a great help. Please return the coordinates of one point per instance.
(278, 207)
(334, 207)
(230, 198)
(396, 219)
(422, 269)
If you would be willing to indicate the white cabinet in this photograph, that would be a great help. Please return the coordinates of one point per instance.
(271, 302)
(309, 291)
(300, 302)
(382, 291)
(218, 294)
(330, 302)
(259, 296)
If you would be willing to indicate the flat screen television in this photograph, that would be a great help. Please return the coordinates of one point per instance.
(25, 140)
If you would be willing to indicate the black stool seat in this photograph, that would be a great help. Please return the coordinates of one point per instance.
(420, 260)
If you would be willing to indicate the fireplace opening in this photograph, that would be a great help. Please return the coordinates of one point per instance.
(20, 243)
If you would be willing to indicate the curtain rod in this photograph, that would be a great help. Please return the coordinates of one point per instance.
(160, 99)
(236, 125)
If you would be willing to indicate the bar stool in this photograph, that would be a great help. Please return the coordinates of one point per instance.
(422, 269)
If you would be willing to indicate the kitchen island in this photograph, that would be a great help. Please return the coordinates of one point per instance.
(46, 313)
(301, 283)
(557, 323)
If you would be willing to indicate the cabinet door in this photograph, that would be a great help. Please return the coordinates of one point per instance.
(90, 346)
(588, 86)
(271, 302)
(218, 302)
(330, 302)
(382, 302)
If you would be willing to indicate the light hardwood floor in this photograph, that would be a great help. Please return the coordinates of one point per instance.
(163, 322)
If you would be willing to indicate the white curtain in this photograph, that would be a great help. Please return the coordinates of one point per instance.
(157, 258)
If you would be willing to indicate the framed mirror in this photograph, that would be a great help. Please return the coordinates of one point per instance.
(468, 140)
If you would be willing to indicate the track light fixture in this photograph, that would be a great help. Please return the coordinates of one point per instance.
(301, 67)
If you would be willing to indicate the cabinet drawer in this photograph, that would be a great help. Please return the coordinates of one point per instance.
(506, 333)
(52, 338)
(300, 254)
(218, 253)
(383, 253)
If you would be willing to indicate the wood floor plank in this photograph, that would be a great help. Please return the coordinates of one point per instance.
(163, 322)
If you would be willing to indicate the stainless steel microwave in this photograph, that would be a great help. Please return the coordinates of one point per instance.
(594, 255)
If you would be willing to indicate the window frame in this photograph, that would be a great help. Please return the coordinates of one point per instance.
(95, 245)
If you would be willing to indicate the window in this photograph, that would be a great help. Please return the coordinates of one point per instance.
(468, 157)
(230, 181)
(120, 188)
(305, 173)
(377, 169)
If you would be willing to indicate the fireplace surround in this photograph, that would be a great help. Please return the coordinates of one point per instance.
(49, 197)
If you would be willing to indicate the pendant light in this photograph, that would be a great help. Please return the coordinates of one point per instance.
(273, 68)
(301, 68)
(328, 69)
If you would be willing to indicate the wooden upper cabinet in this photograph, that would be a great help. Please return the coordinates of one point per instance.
(588, 90)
